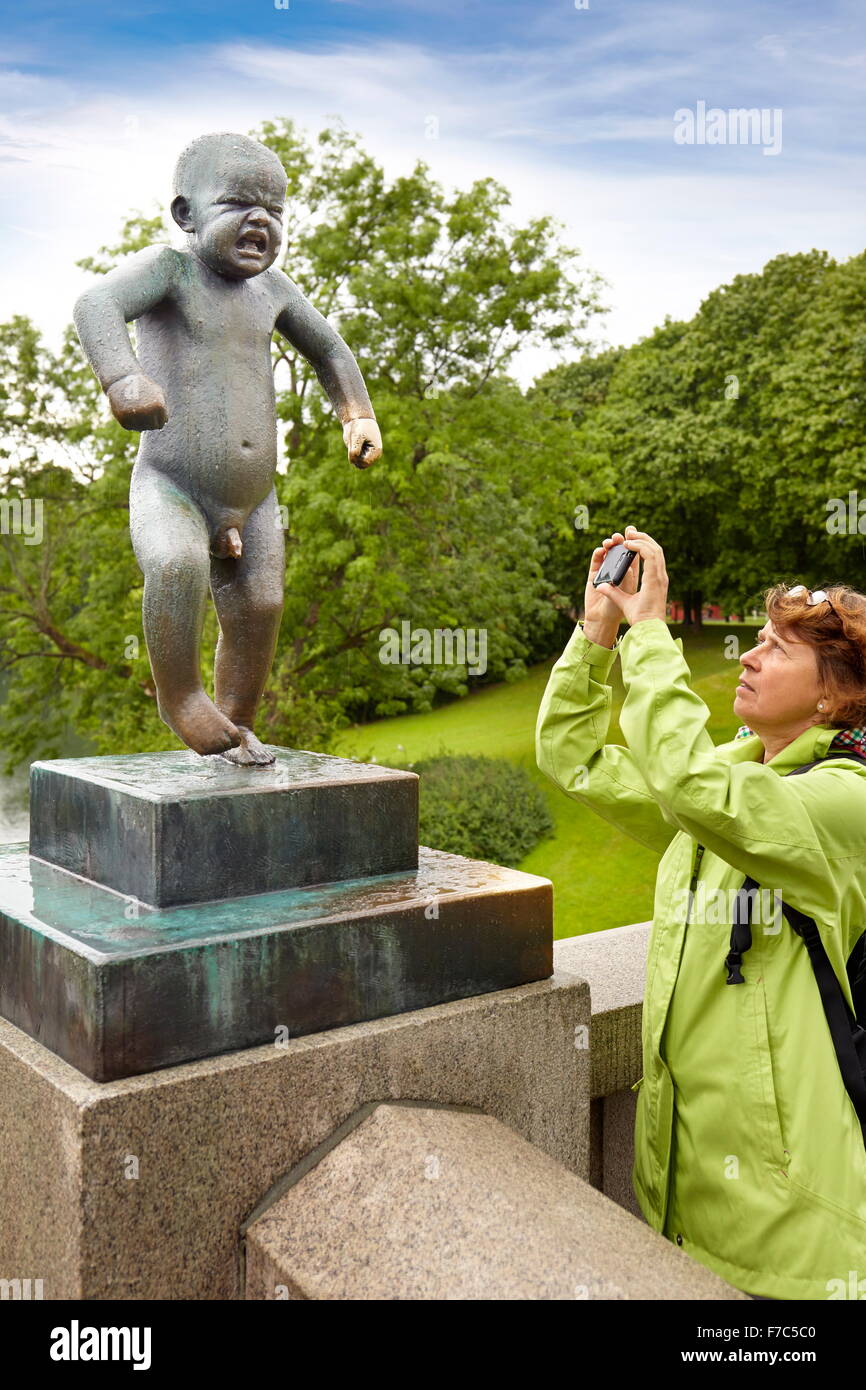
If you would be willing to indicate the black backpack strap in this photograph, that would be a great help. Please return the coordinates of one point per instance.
(857, 966)
(831, 757)
(741, 932)
(849, 1038)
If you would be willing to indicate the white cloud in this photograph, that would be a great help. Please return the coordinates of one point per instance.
(663, 229)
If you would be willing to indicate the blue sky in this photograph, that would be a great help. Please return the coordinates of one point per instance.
(573, 109)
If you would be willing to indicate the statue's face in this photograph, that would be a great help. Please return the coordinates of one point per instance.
(236, 218)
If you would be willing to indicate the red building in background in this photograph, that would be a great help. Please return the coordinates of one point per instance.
(709, 610)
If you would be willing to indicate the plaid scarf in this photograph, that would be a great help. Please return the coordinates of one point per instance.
(845, 738)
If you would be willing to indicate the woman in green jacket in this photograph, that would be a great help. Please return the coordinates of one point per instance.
(748, 1151)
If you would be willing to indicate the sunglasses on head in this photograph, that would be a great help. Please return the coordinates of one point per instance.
(813, 597)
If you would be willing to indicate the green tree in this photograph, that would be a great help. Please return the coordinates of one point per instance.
(727, 437)
(656, 452)
(68, 597)
(436, 293)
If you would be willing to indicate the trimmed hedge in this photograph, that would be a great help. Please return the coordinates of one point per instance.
(483, 808)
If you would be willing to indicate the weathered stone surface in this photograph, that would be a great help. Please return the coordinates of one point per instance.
(118, 989)
(614, 964)
(137, 1189)
(618, 1149)
(416, 1202)
(171, 828)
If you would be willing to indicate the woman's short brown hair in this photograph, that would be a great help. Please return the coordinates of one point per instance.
(839, 639)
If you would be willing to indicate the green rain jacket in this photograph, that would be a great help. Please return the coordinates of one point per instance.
(748, 1151)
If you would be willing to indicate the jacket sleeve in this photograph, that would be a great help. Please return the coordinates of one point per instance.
(570, 747)
(801, 836)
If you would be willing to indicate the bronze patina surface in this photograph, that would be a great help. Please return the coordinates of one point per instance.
(176, 906)
(169, 828)
(117, 989)
(203, 510)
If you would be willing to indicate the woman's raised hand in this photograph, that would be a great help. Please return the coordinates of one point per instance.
(630, 602)
(602, 616)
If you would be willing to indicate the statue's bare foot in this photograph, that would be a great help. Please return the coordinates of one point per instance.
(196, 720)
(249, 752)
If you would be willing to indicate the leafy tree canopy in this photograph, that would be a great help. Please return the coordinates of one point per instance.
(453, 528)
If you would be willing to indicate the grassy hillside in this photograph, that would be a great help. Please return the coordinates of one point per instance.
(601, 878)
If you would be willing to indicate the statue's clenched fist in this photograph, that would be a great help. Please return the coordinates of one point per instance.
(138, 403)
(363, 441)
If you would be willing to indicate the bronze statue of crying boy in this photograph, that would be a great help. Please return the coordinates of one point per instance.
(203, 509)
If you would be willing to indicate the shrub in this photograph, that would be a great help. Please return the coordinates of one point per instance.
(484, 808)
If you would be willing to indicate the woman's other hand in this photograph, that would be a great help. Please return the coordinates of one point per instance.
(630, 602)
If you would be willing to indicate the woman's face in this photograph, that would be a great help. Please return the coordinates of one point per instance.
(778, 686)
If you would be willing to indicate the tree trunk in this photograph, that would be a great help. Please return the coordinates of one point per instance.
(693, 602)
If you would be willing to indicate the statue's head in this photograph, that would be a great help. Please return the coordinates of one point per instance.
(229, 192)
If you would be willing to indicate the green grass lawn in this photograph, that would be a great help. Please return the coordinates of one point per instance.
(600, 877)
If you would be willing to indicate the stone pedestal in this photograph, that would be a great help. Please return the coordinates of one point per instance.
(171, 828)
(139, 1189)
(207, 973)
(173, 907)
